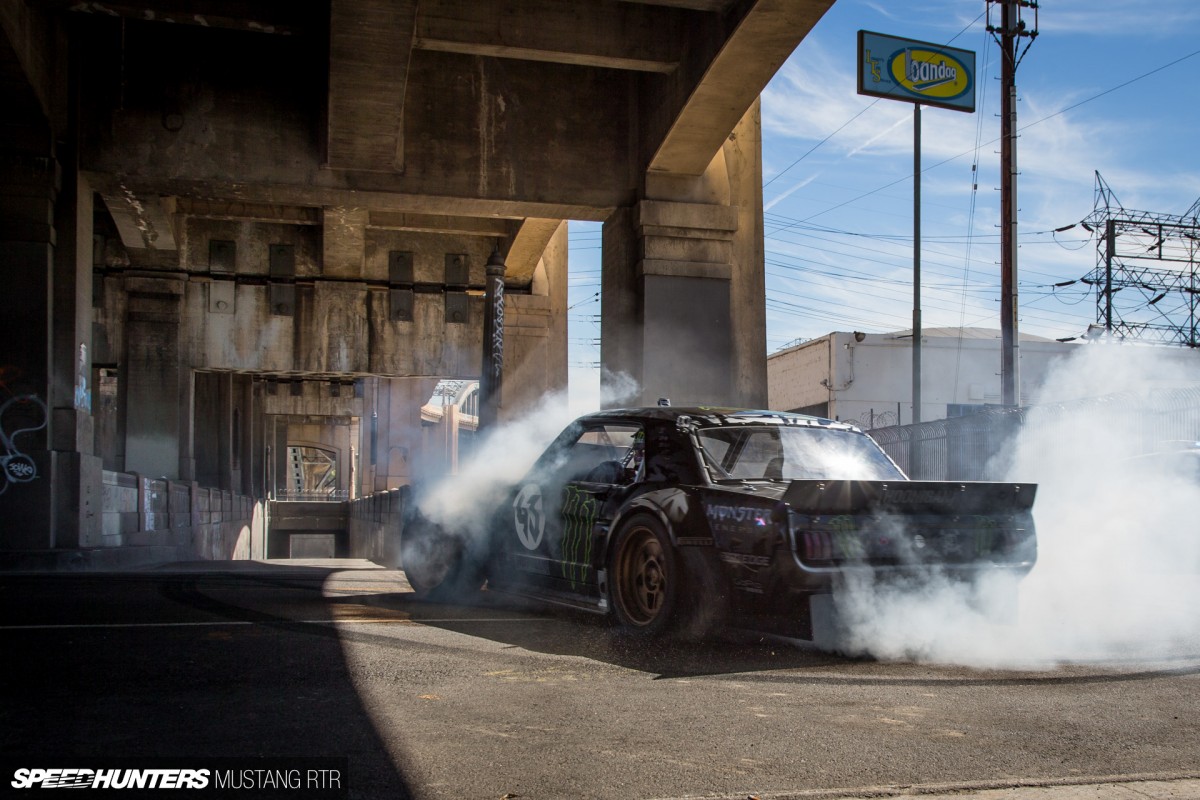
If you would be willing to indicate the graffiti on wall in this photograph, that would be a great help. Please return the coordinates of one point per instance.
(19, 415)
(498, 330)
(83, 397)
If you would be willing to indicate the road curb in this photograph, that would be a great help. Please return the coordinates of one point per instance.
(1174, 786)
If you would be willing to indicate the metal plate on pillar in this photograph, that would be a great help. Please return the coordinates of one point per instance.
(283, 299)
(401, 305)
(458, 308)
(222, 296)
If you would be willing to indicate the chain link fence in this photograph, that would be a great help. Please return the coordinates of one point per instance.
(978, 447)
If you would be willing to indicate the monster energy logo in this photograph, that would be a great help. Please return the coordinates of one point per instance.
(579, 516)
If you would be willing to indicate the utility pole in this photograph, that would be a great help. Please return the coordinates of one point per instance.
(1008, 35)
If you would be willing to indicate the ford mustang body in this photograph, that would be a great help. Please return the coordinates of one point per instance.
(674, 518)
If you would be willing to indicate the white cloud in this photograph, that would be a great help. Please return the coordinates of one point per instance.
(1123, 20)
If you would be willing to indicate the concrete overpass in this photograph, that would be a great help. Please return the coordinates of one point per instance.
(239, 233)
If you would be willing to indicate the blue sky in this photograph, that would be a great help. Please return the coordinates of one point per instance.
(1106, 87)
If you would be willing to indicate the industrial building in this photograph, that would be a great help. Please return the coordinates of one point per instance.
(244, 242)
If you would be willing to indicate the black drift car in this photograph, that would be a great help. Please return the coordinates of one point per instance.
(685, 518)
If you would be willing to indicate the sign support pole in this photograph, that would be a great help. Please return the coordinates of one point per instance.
(916, 333)
(921, 73)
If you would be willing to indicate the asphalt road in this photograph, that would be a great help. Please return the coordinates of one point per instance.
(498, 699)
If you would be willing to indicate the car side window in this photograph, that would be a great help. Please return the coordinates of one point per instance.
(792, 453)
(604, 453)
(744, 452)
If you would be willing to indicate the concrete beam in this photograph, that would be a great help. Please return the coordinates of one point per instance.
(527, 248)
(600, 34)
(281, 19)
(25, 68)
(268, 194)
(491, 227)
(693, 5)
(369, 46)
(247, 212)
(141, 220)
(343, 240)
(765, 38)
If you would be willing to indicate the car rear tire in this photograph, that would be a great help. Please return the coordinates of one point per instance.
(646, 578)
(437, 564)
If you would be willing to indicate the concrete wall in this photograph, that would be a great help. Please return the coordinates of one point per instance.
(869, 382)
(794, 377)
(375, 526)
(308, 530)
(146, 521)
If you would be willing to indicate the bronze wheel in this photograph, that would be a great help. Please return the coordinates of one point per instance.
(645, 577)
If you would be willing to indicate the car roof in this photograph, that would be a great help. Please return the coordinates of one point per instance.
(710, 416)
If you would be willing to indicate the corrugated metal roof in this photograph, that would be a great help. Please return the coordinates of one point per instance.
(968, 333)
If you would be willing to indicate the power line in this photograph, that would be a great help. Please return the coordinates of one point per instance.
(1019, 130)
(856, 116)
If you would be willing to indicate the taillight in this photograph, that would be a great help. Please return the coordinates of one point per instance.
(818, 546)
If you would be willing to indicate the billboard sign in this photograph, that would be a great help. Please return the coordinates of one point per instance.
(917, 72)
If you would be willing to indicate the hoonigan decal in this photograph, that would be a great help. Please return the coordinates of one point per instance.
(529, 517)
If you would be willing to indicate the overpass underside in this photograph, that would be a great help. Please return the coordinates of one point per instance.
(239, 235)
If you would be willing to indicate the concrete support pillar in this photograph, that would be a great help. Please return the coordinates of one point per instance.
(77, 471)
(396, 431)
(207, 427)
(28, 191)
(670, 316)
(535, 333)
(157, 396)
(241, 436)
(683, 306)
(748, 302)
(258, 439)
(217, 439)
(50, 487)
(225, 442)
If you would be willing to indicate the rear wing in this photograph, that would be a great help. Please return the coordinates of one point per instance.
(909, 497)
(901, 524)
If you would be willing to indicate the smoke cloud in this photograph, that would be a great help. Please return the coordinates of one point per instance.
(464, 502)
(1118, 572)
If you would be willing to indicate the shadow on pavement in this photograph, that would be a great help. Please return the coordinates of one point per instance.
(146, 665)
(758, 656)
(560, 631)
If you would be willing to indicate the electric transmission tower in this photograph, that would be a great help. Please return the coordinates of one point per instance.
(1145, 276)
